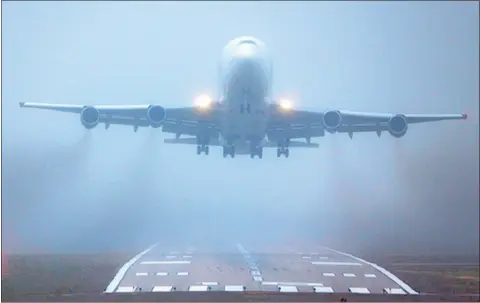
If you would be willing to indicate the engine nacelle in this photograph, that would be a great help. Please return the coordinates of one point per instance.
(90, 116)
(155, 115)
(332, 120)
(397, 126)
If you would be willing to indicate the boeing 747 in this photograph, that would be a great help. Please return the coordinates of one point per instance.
(245, 119)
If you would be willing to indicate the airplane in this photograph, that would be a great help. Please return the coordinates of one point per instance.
(245, 119)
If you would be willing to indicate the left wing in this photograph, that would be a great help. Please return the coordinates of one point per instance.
(287, 123)
(183, 120)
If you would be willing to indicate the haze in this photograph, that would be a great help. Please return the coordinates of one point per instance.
(67, 190)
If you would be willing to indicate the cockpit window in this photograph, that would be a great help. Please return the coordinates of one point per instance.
(247, 42)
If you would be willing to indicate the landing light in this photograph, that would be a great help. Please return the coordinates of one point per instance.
(286, 104)
(203, 101)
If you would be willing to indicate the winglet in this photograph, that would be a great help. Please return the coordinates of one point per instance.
(464, 116)
(21, 104)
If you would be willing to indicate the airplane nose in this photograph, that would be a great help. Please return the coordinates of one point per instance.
(246, 51)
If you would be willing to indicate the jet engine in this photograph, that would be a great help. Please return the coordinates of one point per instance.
(332, 120)
(155, 115)
(89, 116)
(397, 126)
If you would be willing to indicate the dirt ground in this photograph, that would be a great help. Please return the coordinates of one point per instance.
(47, 274)
(84, 274)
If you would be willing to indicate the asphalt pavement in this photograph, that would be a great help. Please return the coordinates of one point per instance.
(253, 268)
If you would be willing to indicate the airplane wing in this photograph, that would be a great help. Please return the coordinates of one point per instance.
(289, 123)
(183, 120)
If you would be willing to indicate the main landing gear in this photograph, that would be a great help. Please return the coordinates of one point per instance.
(202, 144)
(283, 148)
(229, 150)
(283, 151)
(256, 151)
(203, 149)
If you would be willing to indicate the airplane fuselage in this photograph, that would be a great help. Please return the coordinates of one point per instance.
(246, 81)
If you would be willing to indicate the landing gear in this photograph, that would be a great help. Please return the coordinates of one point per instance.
(202, 145)
(256, 151)
(229, 150)
(283, 148)
(283, 151)
(203, 148)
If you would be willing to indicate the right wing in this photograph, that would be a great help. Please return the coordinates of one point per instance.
(290, 123)
(182, 120)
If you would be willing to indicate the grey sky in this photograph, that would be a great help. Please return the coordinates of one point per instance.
(64, 189)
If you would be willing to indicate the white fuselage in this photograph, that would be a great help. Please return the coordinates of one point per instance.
(245, 86)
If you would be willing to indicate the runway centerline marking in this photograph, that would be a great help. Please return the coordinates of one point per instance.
(141, 274)
(162, 273)
(253, 267)
(392, 277)
(349, 275)
(328, 274)
(123, 270)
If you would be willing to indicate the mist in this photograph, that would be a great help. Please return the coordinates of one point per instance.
(65, 189)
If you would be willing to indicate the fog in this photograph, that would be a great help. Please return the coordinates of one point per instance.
(65, 189)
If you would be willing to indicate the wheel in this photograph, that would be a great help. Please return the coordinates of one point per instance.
(260, 152)
(252, 156)
(287, 153)
(199, 149)
(225, 152)
(206, 149)
(279, 152)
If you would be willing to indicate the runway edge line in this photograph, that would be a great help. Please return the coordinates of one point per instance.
(392, 277)
(123, 270)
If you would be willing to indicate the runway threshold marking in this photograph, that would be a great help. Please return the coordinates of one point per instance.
(123, 270)
(392, 277)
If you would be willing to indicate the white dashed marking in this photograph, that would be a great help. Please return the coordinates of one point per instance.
(126, 289)
(370, 276)
(162, 273)
(170, 257)
(199, 288)
(182, 273)
(291, 283)
(322, 258)
(306, 257)
(349, 275)
(210, 283)
(284, 288)
(323, 289)
(359, 290)
(328, 274)
(163, 289)
(392, 277)
(235, 288)
(164, 262)
(138, 274)
(394, 291)
(337, 263)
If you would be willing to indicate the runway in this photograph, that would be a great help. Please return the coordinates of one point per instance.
(253, 268)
